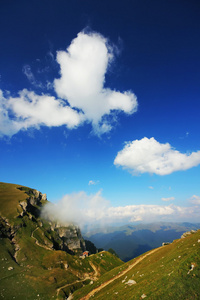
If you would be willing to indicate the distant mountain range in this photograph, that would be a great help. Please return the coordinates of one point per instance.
(130, 241)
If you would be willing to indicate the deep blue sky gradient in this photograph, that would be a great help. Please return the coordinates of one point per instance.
(158, 58)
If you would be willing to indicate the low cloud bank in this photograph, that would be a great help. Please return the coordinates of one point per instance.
(84, 209)
(150, 156)
(81, 96)
(195, 200)
(77, 208)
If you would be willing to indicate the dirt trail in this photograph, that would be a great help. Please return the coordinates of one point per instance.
(94, 277)
(103, 285)
(17, 249)
(66, 285)
(37, 243)
(96, 273)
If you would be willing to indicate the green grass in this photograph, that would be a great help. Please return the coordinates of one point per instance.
(105, 261)
(10, 196)
(162, 275)
(165, 274)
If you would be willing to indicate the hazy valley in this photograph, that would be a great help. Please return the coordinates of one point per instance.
(130, 241)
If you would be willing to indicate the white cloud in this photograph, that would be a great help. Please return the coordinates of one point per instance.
(82, 68)
(141, 212)
(84, 209)
(30, 76)
(151, 187)
(185, 136)
(195, 200)
(78, 208)
(7, 126)
(168, 199)
(92, 182)
(33, 81)
(149, 156)
(32, 110)
(81, 87)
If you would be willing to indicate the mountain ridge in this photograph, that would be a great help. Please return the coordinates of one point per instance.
(40, 259)
(130, 241)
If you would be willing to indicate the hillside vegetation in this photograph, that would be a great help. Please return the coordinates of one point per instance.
(168, 272)
(40, 259)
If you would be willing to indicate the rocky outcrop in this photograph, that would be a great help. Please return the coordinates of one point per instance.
(64, 237)
(166, 243)
(33, 203)
(52, 235)
(9, 231)
(70, 238)
(188, 233)
(5, 228)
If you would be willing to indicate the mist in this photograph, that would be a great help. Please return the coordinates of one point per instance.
(94, 210)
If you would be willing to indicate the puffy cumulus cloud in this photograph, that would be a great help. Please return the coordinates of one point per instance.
(81, 87)
(150, 156)
(7, 127)
(82, 68)
(84, 209)
(32, 110)
(168, 199)
(195, 199)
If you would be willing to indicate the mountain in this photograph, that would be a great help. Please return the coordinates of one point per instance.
(41, 259)
(130, 241)
(168, 272)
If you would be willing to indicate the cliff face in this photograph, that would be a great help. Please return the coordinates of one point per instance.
(72, 240)
(47, 234)
(32, 205)
(35, 253)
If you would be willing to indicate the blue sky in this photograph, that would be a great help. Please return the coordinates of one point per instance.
(99, 105)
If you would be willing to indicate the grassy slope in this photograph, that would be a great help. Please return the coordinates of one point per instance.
(39, 271)
(164, 274)
(10, 196)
